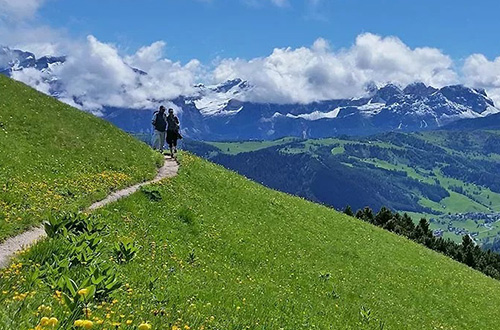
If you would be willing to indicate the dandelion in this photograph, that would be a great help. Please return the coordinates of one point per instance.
(145, 326)
(78, 323)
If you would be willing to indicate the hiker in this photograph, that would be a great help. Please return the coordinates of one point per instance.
(173, 131)
(159, 122)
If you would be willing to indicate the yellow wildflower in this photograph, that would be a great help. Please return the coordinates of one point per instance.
(83, 292)
(87, 324)
(53, 321)
(44, 321)
(144, 326)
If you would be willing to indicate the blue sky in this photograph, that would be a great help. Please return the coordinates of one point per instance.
(251, 28)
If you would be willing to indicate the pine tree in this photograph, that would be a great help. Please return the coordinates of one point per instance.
(368, 215)
(383, 216)
(348, 211)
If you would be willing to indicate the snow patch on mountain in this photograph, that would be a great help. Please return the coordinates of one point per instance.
(371, 109)
(490, 111)
(316, 115)
(214, 100)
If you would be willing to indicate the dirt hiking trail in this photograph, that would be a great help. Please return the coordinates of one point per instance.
(19, 242)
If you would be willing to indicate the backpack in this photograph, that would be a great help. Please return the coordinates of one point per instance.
(160, 123)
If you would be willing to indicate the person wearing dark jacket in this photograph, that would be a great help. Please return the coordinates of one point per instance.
(173, 131)
(159, 122)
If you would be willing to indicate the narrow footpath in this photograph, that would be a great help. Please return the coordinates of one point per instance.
(19, 242)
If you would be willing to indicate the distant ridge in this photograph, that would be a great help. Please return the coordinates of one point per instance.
(226, 111)
(486, 123)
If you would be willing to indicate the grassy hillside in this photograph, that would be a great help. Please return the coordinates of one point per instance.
(54, 157)
(217, 251)
(433, 174)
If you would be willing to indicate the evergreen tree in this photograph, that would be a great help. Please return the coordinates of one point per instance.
(466, 242)
(367, 215)
(383, 216)
(407, 224)
(348, 211)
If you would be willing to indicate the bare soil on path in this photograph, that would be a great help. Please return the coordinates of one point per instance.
(19, 242)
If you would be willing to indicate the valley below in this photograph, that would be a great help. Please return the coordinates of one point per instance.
(451, 178)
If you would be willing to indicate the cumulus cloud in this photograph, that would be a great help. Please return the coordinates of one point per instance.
(96, 75)
(33, 78)
(480, 72)
(316, 73)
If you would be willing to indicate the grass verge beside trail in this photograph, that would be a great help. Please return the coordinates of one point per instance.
(54, 157)
(217, 251)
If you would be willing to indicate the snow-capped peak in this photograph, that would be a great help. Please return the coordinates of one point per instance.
(216, 100)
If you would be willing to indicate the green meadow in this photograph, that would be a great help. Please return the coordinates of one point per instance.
(217, 251)
(207, 249)
(53, 158)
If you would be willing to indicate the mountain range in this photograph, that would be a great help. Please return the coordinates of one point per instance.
(224, 112)
(16, 60)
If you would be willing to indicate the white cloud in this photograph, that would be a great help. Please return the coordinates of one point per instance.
(33, 78)
(40, 40)
(317, 73)
(19, 28)
(96, 75)
(480, 72)
(19, 9)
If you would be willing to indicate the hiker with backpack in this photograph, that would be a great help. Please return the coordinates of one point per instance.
(173, 131)
(159, 122)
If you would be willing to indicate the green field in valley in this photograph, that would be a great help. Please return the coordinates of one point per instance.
(431, 174)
